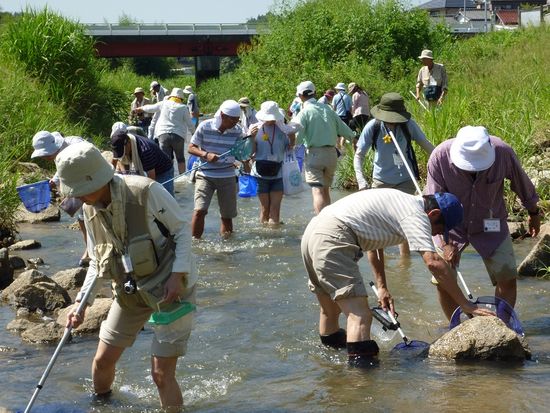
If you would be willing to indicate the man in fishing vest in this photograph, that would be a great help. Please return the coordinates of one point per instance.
(474, 166)
(138, 239)
(334, 241)
(431, 80)
(389, 170)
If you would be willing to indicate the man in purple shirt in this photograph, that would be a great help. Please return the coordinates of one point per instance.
(473, 167)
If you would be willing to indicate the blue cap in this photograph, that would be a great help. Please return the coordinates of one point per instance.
(451, 209)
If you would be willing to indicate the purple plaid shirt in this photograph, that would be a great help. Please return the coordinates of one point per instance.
(481, 194)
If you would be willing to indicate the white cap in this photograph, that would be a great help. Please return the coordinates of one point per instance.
(306, 88)
(340, 86)
(471, 150)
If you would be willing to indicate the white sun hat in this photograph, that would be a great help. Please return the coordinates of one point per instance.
(471, 150)
(269, 111)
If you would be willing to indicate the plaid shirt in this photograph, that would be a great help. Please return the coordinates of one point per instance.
(481, 194)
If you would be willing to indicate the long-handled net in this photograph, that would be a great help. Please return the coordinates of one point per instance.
(241, 151)
(502, 309)
(388, 321)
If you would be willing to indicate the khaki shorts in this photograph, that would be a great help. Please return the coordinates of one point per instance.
(501, 266)
(407, 186)
(330, 254)
(320, 166)
(226, 189)
(127, 316)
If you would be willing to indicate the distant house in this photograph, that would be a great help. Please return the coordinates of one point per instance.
(474, 17)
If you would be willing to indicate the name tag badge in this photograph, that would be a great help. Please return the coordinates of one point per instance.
(491, 225)
(397, 161)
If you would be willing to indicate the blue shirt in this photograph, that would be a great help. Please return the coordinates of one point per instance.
(341, 103)
(388, 166)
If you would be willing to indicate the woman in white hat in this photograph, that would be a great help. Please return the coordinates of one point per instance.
(271, 141)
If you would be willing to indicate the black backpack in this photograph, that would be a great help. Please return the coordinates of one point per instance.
(410, 151)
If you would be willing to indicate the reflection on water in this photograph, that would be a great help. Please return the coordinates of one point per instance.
(255, 347)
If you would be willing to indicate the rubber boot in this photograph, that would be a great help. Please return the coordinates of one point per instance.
(363, 354)
(101, 399)
(335, 340)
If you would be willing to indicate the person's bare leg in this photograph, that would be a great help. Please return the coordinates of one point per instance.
(264, 207)
(359, 318)
(104, 366)
(226, 227)
(197, 223)
(507, 290)
(276, 198)
(163, 370)
(328, 315)
(321, 198)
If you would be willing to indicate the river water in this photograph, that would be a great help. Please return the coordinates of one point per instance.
(255, 346)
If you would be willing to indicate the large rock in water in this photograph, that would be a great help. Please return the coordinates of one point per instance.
(70, 279)
(43, 333)
(50, 214)
(94, 316)
(480, 338)
(538, 260)
(34, 290)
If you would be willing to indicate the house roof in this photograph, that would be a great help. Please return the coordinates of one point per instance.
(447, 4)
(508, 17)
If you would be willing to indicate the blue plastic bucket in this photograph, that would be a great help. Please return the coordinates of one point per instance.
(36, 197)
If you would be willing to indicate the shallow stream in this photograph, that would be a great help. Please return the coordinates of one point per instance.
(255, 346)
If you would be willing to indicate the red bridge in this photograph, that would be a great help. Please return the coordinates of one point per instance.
(205, 42)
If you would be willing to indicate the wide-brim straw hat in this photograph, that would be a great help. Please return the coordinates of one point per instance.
(244, 102)
(269, 111)
(176, 93)
(426, 54)
(472, 150)
(391, 109)
(139, 90)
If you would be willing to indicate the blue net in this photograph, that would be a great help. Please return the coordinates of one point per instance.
(36, 196)
(502, 309)
(242, 149)
(411, 345)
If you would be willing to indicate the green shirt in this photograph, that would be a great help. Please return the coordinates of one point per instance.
(321, 125)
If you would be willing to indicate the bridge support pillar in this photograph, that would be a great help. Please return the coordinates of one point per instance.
(206, 67)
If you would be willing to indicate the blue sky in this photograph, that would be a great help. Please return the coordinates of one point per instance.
(149, 11)
(153, 11)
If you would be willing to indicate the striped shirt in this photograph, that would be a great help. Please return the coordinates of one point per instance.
(208, 138)
(384, 217)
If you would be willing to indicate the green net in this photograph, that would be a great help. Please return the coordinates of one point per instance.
(242, 149)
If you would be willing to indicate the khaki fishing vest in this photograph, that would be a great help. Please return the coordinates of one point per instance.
(140, 245)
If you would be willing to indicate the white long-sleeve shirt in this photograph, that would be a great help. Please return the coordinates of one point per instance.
(174, 118)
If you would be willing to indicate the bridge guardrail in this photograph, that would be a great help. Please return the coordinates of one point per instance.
(140, 29)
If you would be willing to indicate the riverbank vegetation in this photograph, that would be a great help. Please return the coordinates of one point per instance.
(52, 80)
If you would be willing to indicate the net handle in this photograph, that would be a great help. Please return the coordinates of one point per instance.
(390, 315)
